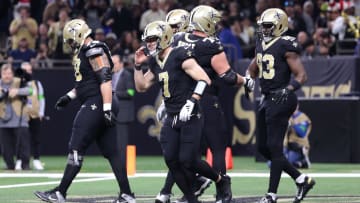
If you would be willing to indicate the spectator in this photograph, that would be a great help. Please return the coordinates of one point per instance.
(5, 14)
(296, 21)
(151, 15)
(247, 37)
(322, 19)
(308, 10)
(118, 18)
(23, 27)
(99, 35)
(126, 43)
(13, 120)
(51, 12)
(22, 53)
(36, 110)
(42, 59)
(296, 142)
(93, 13)
(302, 38)
(57, 49)
(260, 7)
(113, 44)
(340, 26)
(324, 43)
(234, 52)
(43, 35)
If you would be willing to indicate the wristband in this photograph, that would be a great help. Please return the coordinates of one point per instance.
(200, 87)
(107, 107)
(71, 94)
(137, 67)
(295, 84)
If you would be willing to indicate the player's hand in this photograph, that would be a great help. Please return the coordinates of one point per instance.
(109, 118)
(161, 112)
(280, 96)
(62, 102)
(140, 56)
(249, 85)
(186, 110)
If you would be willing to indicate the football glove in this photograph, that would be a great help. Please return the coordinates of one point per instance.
(186, 110)
(161, 112)
(109, 118)
(249, 85)
(62, 102)
(280, 96)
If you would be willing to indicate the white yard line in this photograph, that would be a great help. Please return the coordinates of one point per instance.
(159, 175)
(92, 177)
(51, 183)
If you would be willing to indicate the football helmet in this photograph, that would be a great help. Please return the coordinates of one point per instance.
(75, 33)
(159, 32)
(204, 18)
(273, 23)
(178, 19)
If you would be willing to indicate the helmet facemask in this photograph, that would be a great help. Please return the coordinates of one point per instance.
(267, 30)
(152, 45)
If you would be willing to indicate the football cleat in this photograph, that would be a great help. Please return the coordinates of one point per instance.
(181, 200)
(126, 198)
(38, 165)
(162, 198)
(303, 189)
(201, 184)
(18, 165)
(53, 196)
(223, 190)
(267, 199)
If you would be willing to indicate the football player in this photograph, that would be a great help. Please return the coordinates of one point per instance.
(95, 119)
(210, 55)
(183, 83)
(277, 58)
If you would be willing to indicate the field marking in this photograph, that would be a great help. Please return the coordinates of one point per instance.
(52, 182)
(160, 175)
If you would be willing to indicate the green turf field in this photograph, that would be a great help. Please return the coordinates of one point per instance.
(100, 188)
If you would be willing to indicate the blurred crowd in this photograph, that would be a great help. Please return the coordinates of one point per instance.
(31, 30)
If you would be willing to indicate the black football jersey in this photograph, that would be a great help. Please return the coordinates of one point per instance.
(274, 71)
(86, 82)
(176, 85)
(204, 49)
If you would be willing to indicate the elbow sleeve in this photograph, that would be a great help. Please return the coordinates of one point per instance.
(104, 75)
(229, 77)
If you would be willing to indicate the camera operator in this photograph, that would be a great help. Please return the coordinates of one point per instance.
(14, 132)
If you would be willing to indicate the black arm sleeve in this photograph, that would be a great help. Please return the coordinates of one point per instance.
(229, 77)
(104, 75)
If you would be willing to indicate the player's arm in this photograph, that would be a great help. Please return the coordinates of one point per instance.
(253, 69)
(65, 100)
(143, 81)
(297, 68)
(192, 68)
(222, 67)
(101, 66)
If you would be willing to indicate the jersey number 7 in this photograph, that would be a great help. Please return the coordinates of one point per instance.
(164, 77)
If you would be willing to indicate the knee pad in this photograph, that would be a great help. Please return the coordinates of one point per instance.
(75, 159)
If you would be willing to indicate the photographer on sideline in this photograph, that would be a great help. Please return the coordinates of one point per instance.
(14, 132)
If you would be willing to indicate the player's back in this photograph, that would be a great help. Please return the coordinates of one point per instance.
(87, 84)
(204, 49)
(176, 85)
(274, 71)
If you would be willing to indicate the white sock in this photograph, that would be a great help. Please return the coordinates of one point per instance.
(300, 179)
(273, 195)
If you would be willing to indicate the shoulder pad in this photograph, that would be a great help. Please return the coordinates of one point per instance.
(290, 44)
(290, 38)
(95, 51)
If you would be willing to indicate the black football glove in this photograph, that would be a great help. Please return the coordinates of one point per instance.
(280, 96)
(109, 118)
(62, 102)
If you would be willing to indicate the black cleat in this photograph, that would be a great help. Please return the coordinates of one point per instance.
(201, 184)
(53, 196)
(181, 200)
(267, 199)
(303, 189)
(223, 190)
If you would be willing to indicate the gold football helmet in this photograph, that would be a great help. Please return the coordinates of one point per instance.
(204, 18)
(178, 19)
(273, 22)
(160, 32)
(75, 33)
